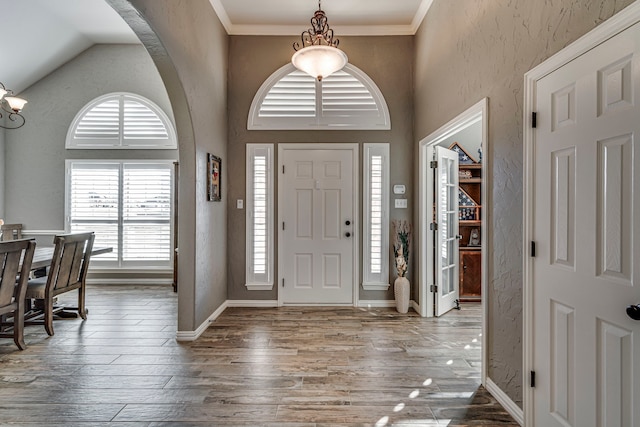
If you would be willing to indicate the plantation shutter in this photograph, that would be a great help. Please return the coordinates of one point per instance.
(121, 120)
(128, 206)
(94, 203)
(260, 234)
(146, 219)
(292, 100)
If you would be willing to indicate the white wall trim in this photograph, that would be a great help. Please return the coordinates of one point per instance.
(42, 232)
(416, 307)
(502, 398)
(375, 286)
(252, 303)
(614, 25)
(376, 303)
(193, 335)
(129, 281)
(343, 30)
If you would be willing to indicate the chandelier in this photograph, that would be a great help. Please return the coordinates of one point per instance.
(318, 55)
(10, 106)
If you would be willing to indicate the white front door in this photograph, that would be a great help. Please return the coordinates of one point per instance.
(317, 229)
(447, 268)
(586, 227)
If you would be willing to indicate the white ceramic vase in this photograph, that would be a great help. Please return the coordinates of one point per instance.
(401, 290)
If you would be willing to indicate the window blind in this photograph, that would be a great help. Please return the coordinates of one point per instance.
(259, 225)
(128, 206)
(375, 200)
(121, 120)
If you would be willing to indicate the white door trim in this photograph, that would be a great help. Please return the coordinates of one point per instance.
(479, 111)
(356, 208)
(619, 22)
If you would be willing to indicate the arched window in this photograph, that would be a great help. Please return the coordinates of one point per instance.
(121, 120)
(292, 100)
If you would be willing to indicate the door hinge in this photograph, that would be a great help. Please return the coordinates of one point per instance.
(282, 168)
(282, 225)
(433, 164)
(532, 380)
(283, 282)
(533, 249)
(433, 226)
(434, 288)
(534, 120)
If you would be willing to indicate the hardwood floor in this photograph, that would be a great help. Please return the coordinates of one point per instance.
(290, 367)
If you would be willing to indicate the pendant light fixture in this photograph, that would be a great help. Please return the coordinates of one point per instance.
(11, 106)
(318, 55)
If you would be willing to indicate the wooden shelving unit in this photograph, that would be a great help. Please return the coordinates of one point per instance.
(470, 180)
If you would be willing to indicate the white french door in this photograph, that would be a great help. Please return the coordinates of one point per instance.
(317, 229)
(586, 225)
(447, 268)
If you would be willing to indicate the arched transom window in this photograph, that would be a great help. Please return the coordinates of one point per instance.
(121, 120)
(292, 100)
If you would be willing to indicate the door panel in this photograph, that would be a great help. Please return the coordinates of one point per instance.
(314, 232)
(586, 173)
(447, 264)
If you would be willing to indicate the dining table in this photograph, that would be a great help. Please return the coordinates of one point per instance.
(43, 255)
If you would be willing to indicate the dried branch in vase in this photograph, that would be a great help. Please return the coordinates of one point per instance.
(401, 245)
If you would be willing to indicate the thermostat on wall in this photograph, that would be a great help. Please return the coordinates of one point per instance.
(398, 189)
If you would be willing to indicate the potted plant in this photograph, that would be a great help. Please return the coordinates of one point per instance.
(401, 246)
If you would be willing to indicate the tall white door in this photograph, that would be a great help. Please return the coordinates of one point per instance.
(317, 230)
(447, 243)
(586, 228)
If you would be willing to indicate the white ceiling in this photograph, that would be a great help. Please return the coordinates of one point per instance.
(42, 35)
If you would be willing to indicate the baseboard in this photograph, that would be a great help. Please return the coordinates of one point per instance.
(193, 335)
(377, 303)
(251, 303)
(415, 306)
(514, 410)
(129, 281)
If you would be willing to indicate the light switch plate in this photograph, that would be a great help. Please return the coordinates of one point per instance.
(240, 204)
(401, 203)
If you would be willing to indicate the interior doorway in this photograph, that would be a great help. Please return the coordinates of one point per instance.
(458, 136)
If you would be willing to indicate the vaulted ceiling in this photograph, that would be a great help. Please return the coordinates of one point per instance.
(42, 35)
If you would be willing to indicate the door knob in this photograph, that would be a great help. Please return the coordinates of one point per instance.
(633, 311)
(347, 234)
(347, 222)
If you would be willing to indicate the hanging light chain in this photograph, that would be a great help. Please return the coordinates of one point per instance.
(319, 33)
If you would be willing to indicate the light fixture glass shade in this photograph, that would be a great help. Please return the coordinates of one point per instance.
(16, 104)
(2, 93)
(319, 61)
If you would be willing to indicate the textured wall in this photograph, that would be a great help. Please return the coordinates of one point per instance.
(386, 60)
(470, 49)
(190, 48)
(54, 101)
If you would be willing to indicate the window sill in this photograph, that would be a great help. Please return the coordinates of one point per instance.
(259, 286)
(375, 286)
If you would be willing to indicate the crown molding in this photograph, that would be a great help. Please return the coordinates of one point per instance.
(344, 30)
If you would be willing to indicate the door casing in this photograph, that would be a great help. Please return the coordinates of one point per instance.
(619, 22)
(356, 209)
(426, 267)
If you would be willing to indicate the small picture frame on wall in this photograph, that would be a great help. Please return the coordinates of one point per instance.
(214, 189)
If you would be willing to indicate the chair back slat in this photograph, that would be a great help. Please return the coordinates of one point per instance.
(70, 260)
(14, 255)
(11, 232)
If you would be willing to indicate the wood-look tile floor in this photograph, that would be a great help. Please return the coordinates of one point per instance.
(290, 367)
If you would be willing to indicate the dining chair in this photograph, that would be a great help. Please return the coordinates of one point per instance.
(15, 262)
(11, 231)
(67, 272)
